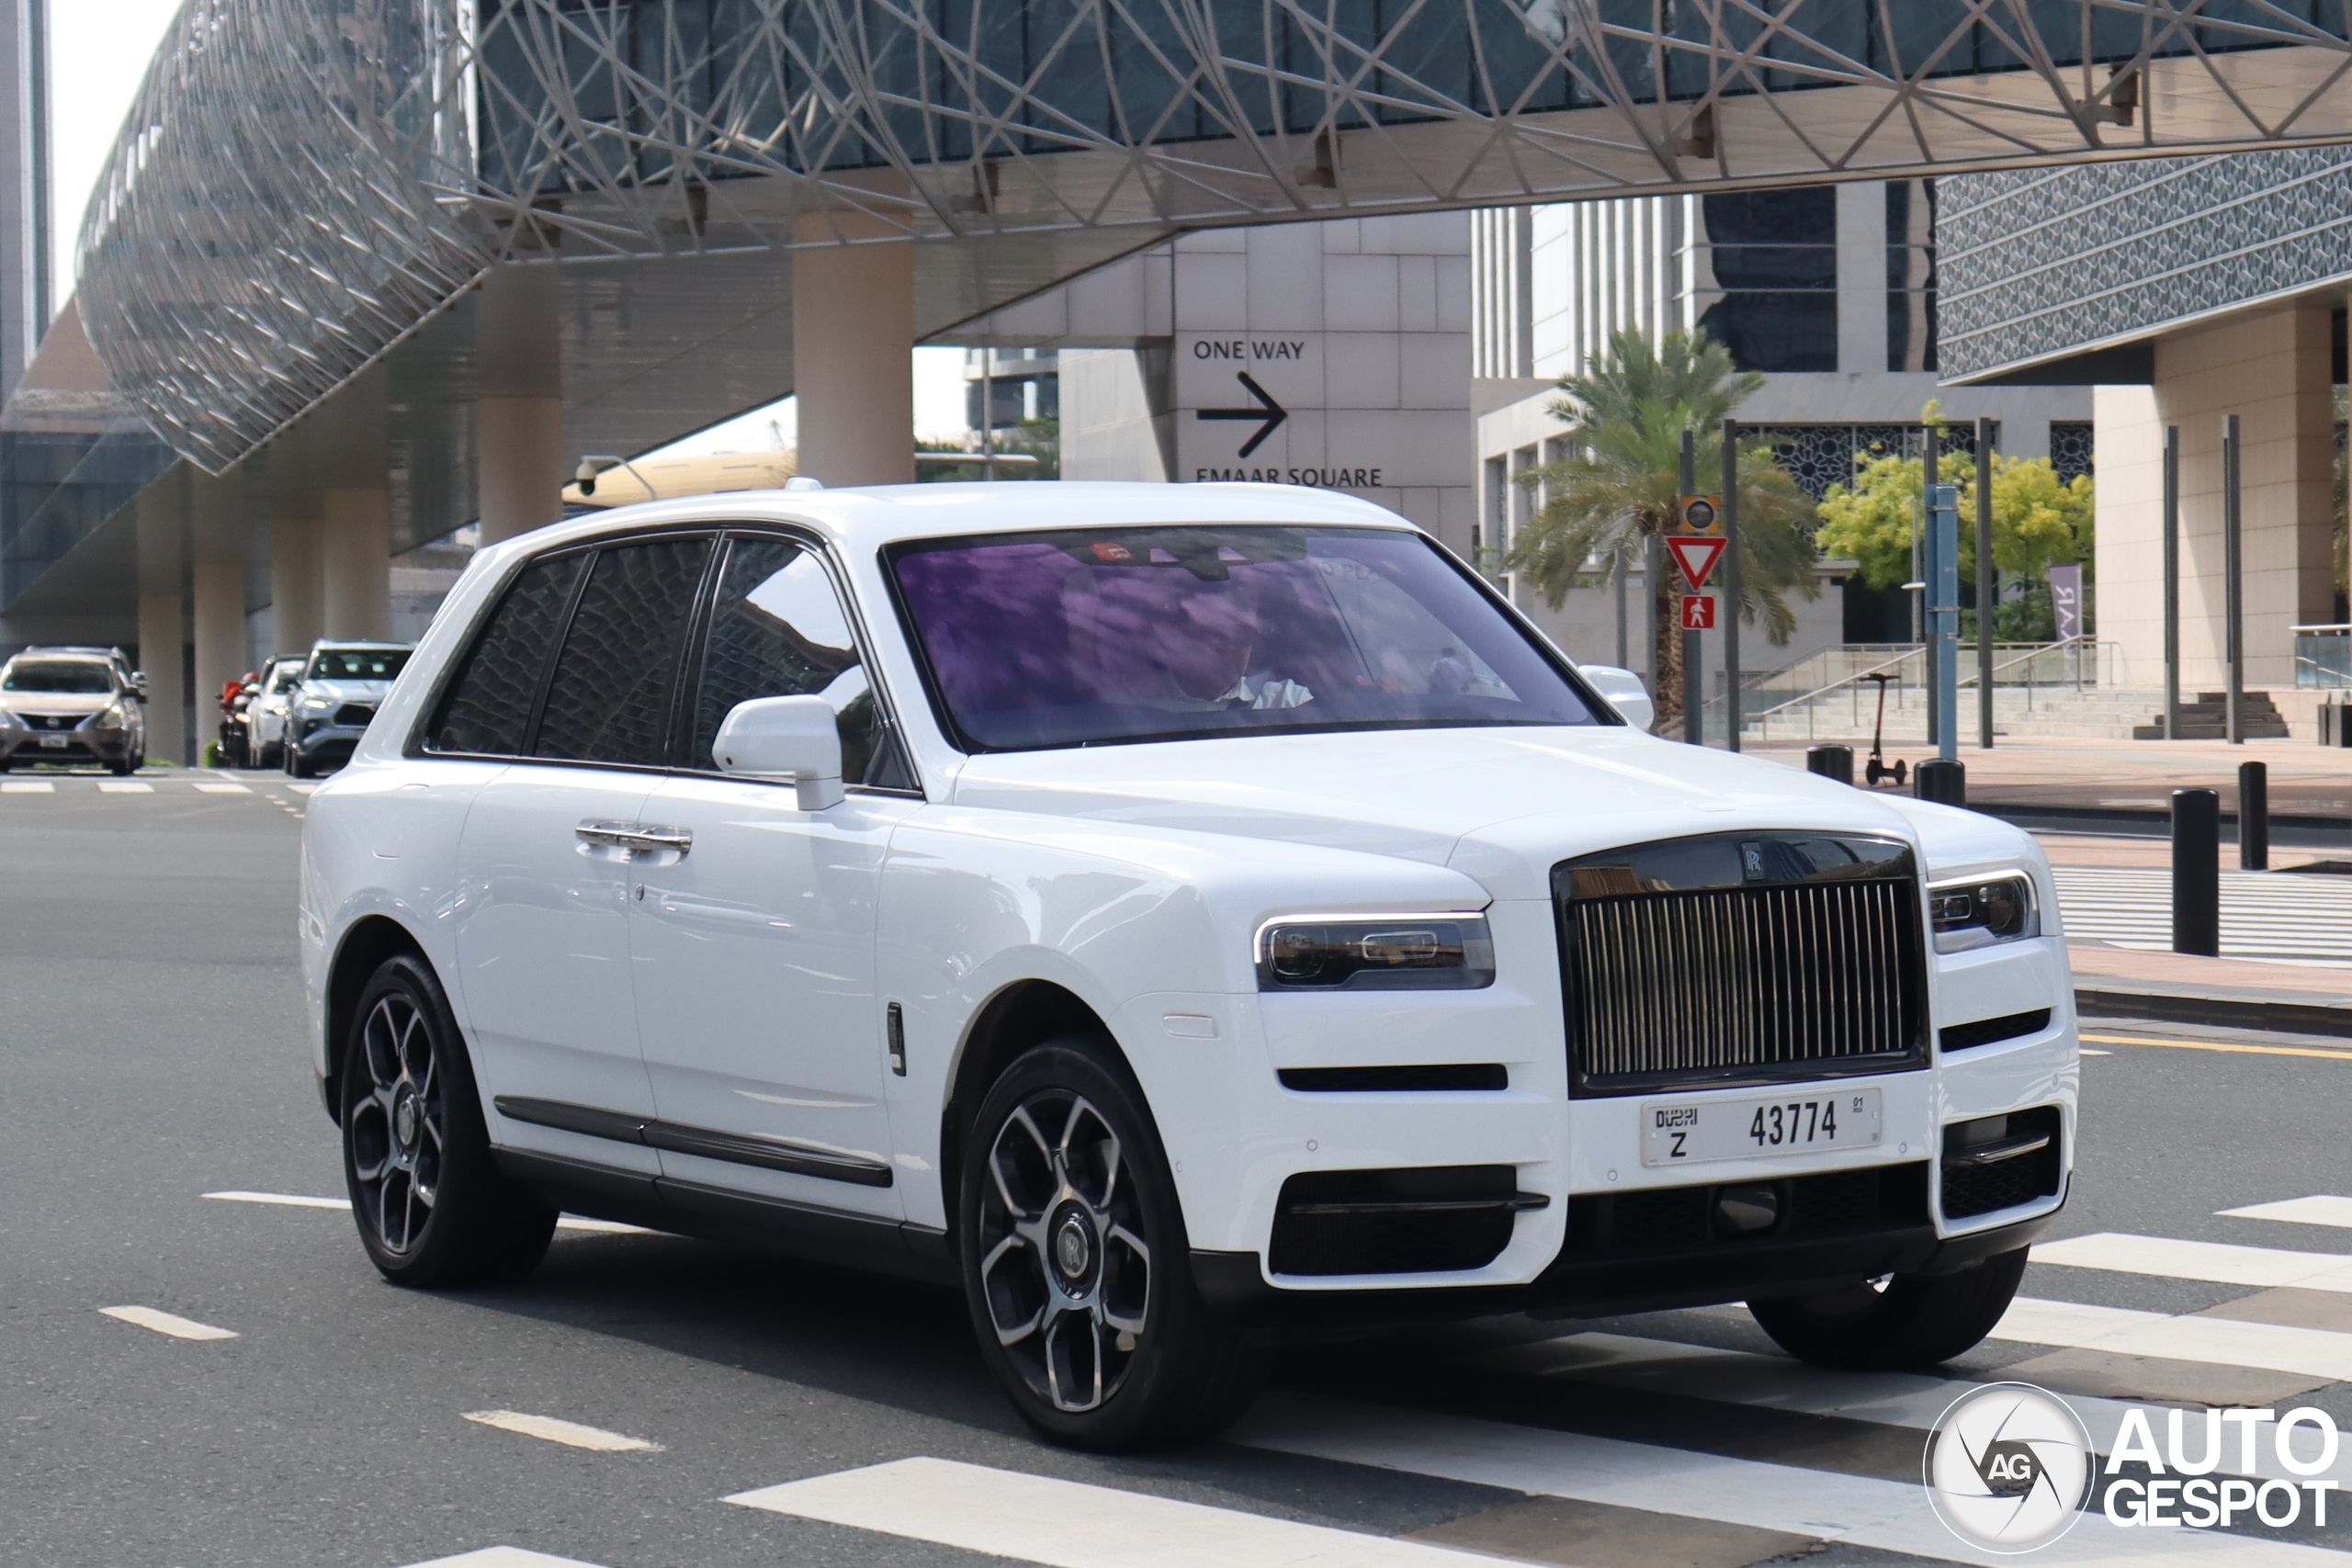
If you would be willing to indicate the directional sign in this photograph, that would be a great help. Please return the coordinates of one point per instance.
(1272, 413)
(1699, 514)
(1697, 558)
(1698, 612)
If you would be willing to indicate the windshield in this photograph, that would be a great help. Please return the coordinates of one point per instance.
(1155, 634)
(356, 663)
(81, 677)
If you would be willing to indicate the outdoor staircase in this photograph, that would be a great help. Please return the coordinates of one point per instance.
(2207, 719)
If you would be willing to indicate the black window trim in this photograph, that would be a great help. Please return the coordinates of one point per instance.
(886, 557)
(723, 534)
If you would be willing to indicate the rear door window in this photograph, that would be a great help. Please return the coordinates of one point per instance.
(488, 708)
(609, 699)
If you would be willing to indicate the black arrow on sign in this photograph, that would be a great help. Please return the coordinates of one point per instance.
(1273, 413)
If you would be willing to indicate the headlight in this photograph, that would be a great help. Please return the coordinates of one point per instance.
(112, 716)
(1979, 913)
(318, 705)
(1377, 952)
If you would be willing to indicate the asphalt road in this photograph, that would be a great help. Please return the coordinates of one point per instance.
(152, 1054)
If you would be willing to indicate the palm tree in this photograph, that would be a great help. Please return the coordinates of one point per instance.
(1625, 417)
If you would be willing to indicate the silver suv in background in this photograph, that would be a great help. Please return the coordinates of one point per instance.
(71, 705)
(333, 702)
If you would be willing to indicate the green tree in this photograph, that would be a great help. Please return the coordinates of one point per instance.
(2039, 520)
(1625, 419)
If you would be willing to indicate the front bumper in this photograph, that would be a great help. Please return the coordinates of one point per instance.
(327, 743)
(1234, 1282)
(79, 745)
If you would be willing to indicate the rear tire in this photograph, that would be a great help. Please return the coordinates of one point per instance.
(432, 1206)
(1076, 1265)
(1915, 1320)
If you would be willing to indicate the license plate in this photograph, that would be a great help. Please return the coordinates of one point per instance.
(57, 742)
(1801, 1122)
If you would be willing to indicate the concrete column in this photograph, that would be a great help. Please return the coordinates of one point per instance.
(357, 563)
(2130, 435)
(521, 465)
(298, 612)
(217, 589)
(1862, 278)
(220, 606)
(853, 361)
(2272, 369)
(162, 627)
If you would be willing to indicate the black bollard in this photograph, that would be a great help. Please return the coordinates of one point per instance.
(2253, 817)
(2196, 872)
(1944, 783)
(1831, 763)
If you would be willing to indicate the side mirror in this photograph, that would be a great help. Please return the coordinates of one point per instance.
(139, 685)
(793, 738)
(1625, 693)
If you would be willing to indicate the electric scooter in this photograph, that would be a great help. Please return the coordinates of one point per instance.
(1877, 767)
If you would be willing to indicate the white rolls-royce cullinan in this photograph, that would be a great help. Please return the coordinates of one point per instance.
(1180, 917)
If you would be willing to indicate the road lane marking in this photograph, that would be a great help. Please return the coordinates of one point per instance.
(124, 786)
(2216, 1341)
(571, 1434)
(1891, 1516)
(2220, 1262)
(296, 1201)
(503, 1557)
(165, 1323)
(1069, 1524)
(28, 786)
(284, 1199)
(2088, 1052)
(2224, 1046)
(223, 788)
(1776, 1383)
(2320, 1210)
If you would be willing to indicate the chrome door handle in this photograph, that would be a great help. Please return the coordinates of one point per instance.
(635, 837)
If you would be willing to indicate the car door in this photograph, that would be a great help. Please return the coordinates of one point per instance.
(549, 856)
(754, 950)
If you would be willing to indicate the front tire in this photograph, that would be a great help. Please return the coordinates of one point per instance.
(1909, 1321)
(432, 1206)
(296, 765)
(1076, 1265)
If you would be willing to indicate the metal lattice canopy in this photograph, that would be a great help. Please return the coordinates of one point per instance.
(300, 186)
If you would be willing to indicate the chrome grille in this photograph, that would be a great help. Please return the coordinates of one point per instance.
(1795, 972)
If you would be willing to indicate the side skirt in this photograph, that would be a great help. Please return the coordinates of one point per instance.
(806, 1231)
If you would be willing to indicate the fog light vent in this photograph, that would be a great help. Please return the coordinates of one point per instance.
(1745, 1210)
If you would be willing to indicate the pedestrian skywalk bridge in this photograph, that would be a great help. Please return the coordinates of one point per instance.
(2282, 916)
(1658, 1449)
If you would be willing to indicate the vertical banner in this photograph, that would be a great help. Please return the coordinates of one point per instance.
(2066, 600)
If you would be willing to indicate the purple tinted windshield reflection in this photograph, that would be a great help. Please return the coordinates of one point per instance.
(1146, 634)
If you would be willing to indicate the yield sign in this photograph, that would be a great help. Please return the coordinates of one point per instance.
(1697, 557)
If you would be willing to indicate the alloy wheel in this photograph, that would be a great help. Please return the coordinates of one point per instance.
(398, 1125)
(1063, 1266)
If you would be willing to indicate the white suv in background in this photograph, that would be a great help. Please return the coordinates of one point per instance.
(1178, 916)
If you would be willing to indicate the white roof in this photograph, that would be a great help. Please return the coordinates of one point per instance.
(866, 519)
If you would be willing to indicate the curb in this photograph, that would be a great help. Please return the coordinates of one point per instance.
(2219, 1011)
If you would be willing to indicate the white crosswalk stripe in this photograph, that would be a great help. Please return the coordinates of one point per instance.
(503, 1557)
(2264, 914)
(1069, 1524)
(2321, 1210)
(2220, 1262)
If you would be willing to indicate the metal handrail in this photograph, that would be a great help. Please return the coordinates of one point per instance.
(2033, 652)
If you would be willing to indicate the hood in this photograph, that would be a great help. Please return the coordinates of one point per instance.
(342, 691)
(55, 702)
(1500, 805)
